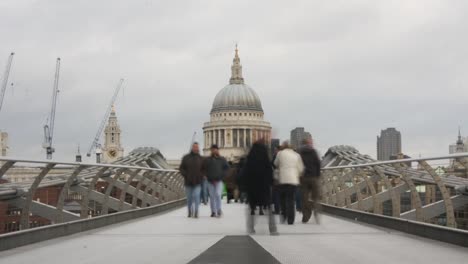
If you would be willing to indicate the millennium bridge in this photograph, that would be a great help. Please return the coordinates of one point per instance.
(132, 211)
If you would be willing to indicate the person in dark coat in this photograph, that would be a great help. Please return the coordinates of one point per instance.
(191, 169)
(310, 181)
(258, 178)
(216, 168)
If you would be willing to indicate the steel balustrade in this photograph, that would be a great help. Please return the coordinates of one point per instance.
(346, 173)
(134, 175)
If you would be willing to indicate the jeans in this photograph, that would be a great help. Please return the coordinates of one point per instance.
(204, 191)
(193, 198)
(288, 211)
(215, 189)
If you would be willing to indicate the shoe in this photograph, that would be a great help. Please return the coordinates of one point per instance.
(220, 213)
(261, 212)
(275, 233)
(213, 215)
(252, 212)
(189, 214)
(195, 215)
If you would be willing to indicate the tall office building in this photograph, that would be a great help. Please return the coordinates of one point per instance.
(388, 143)
(297, 136)
(3, 143)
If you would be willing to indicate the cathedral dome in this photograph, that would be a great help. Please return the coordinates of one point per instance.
(236, 95)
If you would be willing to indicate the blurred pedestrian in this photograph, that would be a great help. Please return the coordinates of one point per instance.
(290, 167)
(258, 175)
(310, 181)
(275, 190)
(298, 199)
(204, 191)
(216, 168)
(241, 181)
(191, 169)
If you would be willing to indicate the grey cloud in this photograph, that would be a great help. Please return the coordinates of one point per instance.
(343, 70)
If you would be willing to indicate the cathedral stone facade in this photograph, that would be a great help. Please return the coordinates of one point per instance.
(237, 118)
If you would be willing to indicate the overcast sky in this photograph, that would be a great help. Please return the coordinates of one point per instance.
(344, 70)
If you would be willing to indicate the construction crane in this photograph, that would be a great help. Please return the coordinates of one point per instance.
(49, 126)
(5, 79)
(95, 144)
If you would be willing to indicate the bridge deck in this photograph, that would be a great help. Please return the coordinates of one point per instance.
(173, 238)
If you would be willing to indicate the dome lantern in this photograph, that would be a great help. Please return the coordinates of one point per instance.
(237, 95)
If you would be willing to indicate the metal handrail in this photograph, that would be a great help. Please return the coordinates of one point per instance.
(451, 156)
(84, 164)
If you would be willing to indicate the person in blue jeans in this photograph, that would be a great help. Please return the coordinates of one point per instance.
(204, 191)
(191, 169)
(216, 168)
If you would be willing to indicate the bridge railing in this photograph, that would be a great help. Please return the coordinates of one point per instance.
(399, 189)
(83, 190)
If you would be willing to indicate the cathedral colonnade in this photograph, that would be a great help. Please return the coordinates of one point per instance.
(235, 137)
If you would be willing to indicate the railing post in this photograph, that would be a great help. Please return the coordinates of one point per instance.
(5, 167)
(110, 187)
(395, 202)
(450, 212)
(24, 221)
(124, 191)
(64, 192)
(415, 198)
(91, 188)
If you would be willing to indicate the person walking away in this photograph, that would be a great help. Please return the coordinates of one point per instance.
(310, 181)
(216, 168)
(191, 169)
(290, 167)
(258, 176)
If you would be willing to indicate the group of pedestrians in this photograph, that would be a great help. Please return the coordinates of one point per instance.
(198, 171)
(269, 182)
(262, 180)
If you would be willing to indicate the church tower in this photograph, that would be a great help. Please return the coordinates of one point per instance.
(112, 148)
(460, 145)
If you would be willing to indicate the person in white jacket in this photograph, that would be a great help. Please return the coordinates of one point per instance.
(290, 167)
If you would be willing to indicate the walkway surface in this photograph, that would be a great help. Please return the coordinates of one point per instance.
(174, 238)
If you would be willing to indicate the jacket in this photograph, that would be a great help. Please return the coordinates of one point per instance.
(311, 162)
(258, 175)
(191, 169)
(215, 168)
(290, 167)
